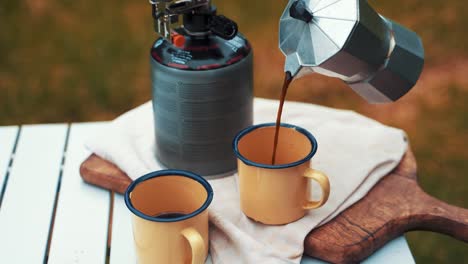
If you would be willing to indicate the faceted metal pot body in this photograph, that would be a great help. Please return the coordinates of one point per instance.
(378, 58)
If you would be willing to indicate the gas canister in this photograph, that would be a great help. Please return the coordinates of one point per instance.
(202, 85)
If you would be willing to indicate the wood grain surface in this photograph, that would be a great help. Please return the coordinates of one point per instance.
(104, 174)
(395, 205)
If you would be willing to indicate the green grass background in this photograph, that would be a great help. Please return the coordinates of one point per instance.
(71, 61)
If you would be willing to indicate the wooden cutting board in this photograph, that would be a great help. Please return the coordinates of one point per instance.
(395, 205)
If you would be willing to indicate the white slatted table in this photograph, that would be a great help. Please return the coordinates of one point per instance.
(49, 215)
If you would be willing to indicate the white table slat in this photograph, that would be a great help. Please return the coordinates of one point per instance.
(396, 251)
(7, 142)
(28, 201)
(122, 248)
(81, 221)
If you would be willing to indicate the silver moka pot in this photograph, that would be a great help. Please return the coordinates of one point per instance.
(378, 58)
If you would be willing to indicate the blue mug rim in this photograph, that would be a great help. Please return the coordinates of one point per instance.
(313, 142)
(162, 173)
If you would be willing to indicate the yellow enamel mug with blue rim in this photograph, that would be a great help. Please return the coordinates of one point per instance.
(277, 194)
(170, 217)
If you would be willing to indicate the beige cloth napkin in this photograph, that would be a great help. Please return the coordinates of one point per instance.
(354, 151)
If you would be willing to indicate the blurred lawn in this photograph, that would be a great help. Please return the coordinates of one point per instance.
(70, 61)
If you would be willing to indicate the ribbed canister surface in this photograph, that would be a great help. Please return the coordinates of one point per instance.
(198, 113)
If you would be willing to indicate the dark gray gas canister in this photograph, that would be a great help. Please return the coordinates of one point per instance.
(202, 96)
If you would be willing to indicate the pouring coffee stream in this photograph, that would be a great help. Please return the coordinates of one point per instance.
(287, 81)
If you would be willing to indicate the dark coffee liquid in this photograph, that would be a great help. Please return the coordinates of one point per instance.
(169, 215)
(287, 81)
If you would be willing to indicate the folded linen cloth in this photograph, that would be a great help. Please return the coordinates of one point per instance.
(354, 151)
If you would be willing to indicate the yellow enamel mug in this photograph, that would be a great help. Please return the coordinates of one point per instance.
(277, 194)
(170, 217)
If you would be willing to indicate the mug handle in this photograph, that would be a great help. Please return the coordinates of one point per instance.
(196, 243)
(322, 179)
